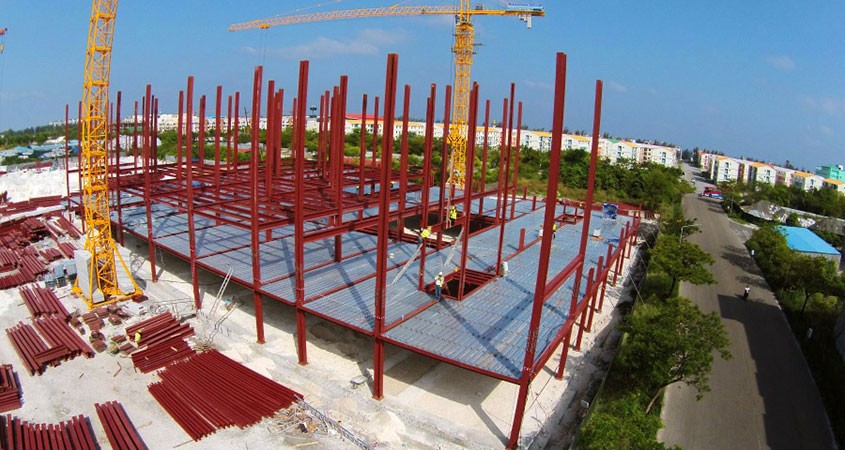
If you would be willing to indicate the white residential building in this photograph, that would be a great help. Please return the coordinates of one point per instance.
(834, 184)
(725, 169)
(784, 176)
(807, 181)
(615, 151)
(761, 173)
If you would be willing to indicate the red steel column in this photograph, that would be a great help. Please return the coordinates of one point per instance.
(503, 183)
(269, 141)
(217, 106)
(256, 218)
(588, 212)
(483, 188)
(235, 154)
(299, 209)
(117, 170)
(594, 295)
(192, 236)
(545, 251)
(145, 159)
(179, 131)
(427, 152)
(468, 173)
(403, 164)
(605, 273)
(584, 306)
(516, 158)
(362, 147)
(384, 224)
(135, 140)
(67, 156)
(338, 165)
(444, 165)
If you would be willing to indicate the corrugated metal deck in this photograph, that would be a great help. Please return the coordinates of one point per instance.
(487, 330)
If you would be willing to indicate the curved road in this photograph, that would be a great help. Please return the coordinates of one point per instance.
(765, 397)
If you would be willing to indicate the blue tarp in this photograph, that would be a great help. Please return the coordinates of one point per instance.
(804, 240)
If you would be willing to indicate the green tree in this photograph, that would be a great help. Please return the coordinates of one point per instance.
(681, 260)
(673, 342)
(622, 425)
(812, 275)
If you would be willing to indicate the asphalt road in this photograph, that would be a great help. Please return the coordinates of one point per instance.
(764, 397)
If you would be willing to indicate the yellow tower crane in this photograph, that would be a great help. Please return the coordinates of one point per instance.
(464, 48)
(108, 278)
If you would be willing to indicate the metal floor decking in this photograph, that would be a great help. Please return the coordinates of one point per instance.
(487, 330)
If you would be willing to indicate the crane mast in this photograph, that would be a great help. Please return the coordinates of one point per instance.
(106, 267)
(463, 48)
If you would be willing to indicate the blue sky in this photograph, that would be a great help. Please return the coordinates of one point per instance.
(761, 79)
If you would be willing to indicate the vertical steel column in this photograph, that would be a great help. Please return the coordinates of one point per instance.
(117, 170)
(81, 206)
(269, 141)
(67, 156)
(228, 135)
(516, 158)
(255, 242)
(427, 153)
(375, 141)
(631, 236)
(299, 209)
(145, 161)
(362, 148)
(511, 104)
(503, 192)
(384, 225)
(179, 131)
(236, 153)
(620, 255)
(502, 151)
(595, 294)
(192, 236)
(338, 156)
(201, 137)
(135, 140)
(605, 270)
(321, 136)
(545, 251)
(588, 293)
(217, 105)
(155, 134)
(403, 164)
(483, 187)
(468, 172)
(444, 165)
(588, 210)
(280, 113)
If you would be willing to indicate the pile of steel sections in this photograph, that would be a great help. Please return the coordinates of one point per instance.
(162, 341)
(40, 301)
(10, 392)
(119, 429)
(210, 391)
(73, 434)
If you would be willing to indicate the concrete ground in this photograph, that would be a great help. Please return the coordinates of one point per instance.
(427, 404)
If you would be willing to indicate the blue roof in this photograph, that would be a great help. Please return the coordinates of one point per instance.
(804, 240)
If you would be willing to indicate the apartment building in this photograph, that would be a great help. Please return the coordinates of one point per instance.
(725, 169)
(832, 171)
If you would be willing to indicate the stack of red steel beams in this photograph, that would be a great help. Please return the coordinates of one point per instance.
(58, 333)
(68, 227)
(163, 327)
(74, 434)
(42, 301)
(51, 254)
(27, 344)
(8, 260)
(122, 435)
(67, 249)
(154, 357)
(210, 391)
(10, 392)
(162, 342)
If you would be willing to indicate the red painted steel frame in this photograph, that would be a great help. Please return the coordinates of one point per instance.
(299, 233)
(383, 226)
(545, 249)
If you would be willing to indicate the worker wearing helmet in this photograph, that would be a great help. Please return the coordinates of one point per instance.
(424, 233)
(438, 285)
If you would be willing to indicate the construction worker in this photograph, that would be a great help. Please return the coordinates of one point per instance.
(554, 230)
(438, 285)
(424, 233)
(453, 214)
(138, 337)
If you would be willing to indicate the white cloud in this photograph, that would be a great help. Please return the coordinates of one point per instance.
(826, 105)
(618, 87)
(365, 42)
(826, 130)
(781, 62)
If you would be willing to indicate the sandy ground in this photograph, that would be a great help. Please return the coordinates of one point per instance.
(427, 404)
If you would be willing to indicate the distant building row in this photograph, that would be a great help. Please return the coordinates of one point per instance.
(612, 149)
(725, 168)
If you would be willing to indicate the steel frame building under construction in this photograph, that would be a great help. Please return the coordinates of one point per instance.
(330, 239)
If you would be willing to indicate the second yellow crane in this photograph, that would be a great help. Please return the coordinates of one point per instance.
(464, 48)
